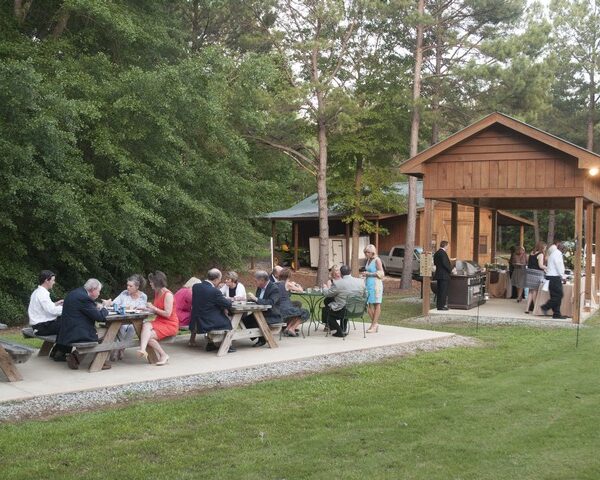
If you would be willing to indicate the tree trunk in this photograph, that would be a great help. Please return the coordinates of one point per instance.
(21, 9)
(536, 227)
(411, 227)
(323, 268)
(61, 24)
(437, 82)
(551, 224)
(591, 111)
(195, 25)
(355, 223)
(323, 265)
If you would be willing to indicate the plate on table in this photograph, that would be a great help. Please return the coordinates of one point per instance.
(131, 310)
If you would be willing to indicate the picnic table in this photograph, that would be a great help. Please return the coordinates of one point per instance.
(314, 302)
(239, 330)
(10, 354)
(110, 342)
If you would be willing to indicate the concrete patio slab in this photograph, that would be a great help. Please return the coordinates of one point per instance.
(42, 376)
(504, 309)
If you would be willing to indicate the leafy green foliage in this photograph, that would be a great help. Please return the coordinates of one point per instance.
(119, 152)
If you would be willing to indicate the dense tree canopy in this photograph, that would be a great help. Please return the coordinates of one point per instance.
(139, 135)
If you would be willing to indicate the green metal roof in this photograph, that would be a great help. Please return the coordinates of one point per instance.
(309, 209)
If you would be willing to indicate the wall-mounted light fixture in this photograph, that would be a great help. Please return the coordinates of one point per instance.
(594, 171)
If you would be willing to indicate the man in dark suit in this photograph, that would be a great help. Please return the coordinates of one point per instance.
(78, 321)
(267, 293)
(208, 308)
(443, 269)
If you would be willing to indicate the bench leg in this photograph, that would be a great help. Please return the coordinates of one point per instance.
(264, 328)
(101, 357)
(45, 350)
(8, 366)
(226, 343)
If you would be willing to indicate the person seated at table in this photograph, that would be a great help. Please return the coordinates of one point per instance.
(233, 288)
(42, 311)
(78, 320)
(166, 323)
(267, 293)
(183, 302)
(334, 274)
(291, 311)
(336, 297)
(131, 298)
(208, 308)
(274, 277)
(534, 275)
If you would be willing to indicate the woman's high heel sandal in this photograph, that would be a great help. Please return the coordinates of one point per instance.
(163, 362)
(142, 353)
(373, 329)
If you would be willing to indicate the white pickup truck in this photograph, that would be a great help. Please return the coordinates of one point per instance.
(394, 261)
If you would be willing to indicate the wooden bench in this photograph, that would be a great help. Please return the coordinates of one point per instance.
(217, 336)
(49, 341)
(12, 353)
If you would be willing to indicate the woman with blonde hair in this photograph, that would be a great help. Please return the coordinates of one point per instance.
(334, 274)
(374, 286)
(535, 274)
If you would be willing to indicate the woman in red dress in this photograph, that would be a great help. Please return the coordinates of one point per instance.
(165, 324)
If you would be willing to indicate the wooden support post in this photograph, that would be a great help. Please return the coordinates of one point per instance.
(428, 228)
(453, 230)
(493, 236)
(348, 260)
(522, 235)
(597, 259)
(377, 235)
(589, 220)
(296, 246)
(577, 272)
(273, 246)
(476, 218)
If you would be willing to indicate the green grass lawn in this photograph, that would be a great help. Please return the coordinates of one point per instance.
(523, 406)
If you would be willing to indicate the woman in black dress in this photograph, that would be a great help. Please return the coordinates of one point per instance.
(535, 273)
(291, 312)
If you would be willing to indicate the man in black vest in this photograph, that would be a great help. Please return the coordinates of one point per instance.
(443, 269)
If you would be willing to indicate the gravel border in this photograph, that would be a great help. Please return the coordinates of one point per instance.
(49, 405)
(490, 321)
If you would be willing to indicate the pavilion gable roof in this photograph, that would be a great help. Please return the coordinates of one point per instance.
(586, 158)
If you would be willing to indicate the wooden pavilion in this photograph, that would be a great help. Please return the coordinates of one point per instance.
(502, 163)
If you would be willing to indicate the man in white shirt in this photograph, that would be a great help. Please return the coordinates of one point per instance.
(555, 273)
(42, 310)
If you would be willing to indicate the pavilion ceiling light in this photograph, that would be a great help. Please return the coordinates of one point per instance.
(594, 171)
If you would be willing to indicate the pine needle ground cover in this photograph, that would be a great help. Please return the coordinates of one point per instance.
(523, 405)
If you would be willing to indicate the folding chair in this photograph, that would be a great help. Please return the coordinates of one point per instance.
(355, 308)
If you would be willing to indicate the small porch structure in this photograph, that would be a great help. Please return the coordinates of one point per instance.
(304, 217)
(500, 163)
